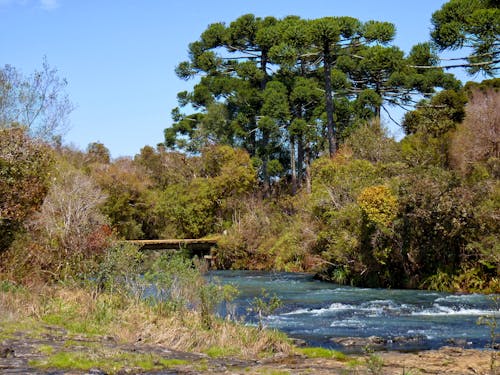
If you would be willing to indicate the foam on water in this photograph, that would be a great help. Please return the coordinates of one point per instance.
(438, 310)
(317, 311)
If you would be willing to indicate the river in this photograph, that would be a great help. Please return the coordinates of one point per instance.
(318, 312)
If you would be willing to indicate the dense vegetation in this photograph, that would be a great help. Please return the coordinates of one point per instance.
(284, 158)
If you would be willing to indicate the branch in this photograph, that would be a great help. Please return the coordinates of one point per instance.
(484, 63)
(390, 117)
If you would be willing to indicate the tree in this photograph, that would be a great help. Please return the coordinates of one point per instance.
(97, 152)
(477, 138)
(334, 37)
(125, 185)
(69, 230)
(472, 24)
(383, 75)
(38, 102)
(25, 166)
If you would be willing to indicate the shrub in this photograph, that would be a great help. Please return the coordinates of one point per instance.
(67, 236)
(477, 138)
(25, 166)
(379, 204)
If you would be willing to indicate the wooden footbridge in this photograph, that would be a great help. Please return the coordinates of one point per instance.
(200, 244)
(201, 247)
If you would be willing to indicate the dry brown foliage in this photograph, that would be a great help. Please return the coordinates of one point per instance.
(477, 138)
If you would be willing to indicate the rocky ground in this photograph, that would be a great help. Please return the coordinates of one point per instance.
(18, 352)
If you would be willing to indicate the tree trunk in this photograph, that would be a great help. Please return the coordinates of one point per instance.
(300, 160)
(292, 165)
(332, 143)
(265, 162)
(308, 168)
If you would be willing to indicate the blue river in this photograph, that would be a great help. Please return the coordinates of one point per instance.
(321, 313)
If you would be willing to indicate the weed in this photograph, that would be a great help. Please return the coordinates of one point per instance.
(266, 371)
(109, 362)
(491, 322)
(374, 364)
(46, 349)
(323, 353)
(265, 305)
(220, 352)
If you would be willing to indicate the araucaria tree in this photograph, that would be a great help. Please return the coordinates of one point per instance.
(471, 24)
(286, 90)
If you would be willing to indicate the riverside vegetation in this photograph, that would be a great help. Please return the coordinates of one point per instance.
(290, 176)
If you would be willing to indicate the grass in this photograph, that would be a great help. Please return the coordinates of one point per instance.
(322, 353)
(273, 372)
(46, 349)
(221, 352)
(82, 313)
(109, 362)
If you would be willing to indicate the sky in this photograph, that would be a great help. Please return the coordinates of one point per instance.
(119, 56)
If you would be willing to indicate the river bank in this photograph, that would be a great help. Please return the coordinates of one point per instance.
(53, 351)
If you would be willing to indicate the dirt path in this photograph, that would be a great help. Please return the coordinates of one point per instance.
(17, 351)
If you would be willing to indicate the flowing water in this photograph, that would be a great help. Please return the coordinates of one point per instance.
(317, 311)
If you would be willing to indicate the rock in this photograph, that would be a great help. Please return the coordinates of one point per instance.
(458, 342)
(6, 352)
(407, 339)
(96, 371)
(298, 342)
(360, 341)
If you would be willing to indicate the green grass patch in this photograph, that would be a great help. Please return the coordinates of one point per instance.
(68, 360)
(353, 363)
(27, 327)
(220, 352)
(81, 344)
(322, 353)
(111, 363)
(266, 371)
(74, 324)
(45, 349)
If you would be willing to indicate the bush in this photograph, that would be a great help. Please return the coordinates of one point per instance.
(25, 167)
(379, 204)
(66, 238)
(477, 139)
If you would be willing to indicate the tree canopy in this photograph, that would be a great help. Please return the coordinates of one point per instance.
(473, 25)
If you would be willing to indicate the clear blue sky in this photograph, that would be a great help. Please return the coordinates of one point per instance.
(119, 56)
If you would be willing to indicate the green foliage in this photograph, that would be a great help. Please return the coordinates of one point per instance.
(112, 362)
(469, 24)
(179, 285)
(423, 150)
(98, 153)
(379, 204)
(25, 168)
(322, 353)
(220, 352)
(173, 277)
(438, 116)
(337, 182)
(119, 271)
(126, 204)
(374, 364)
(201, 206)
(492, 323)
(265, 305)
(370, 142)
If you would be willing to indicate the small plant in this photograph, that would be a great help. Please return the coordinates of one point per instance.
(491, 322)
(110, 362)
(374, 363)
(323, 353)
(265, 305)
(221, 352)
